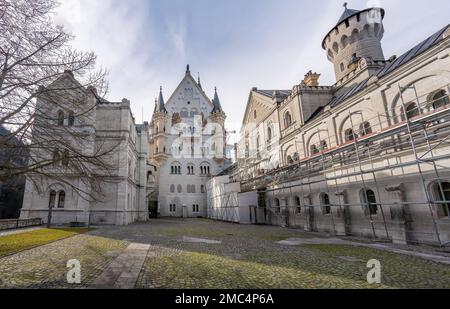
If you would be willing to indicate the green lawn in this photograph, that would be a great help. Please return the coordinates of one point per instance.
(14, 243)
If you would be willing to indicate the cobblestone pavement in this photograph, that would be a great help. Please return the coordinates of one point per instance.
(197, 253)
(242, 256)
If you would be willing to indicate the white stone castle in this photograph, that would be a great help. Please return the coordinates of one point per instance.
(366, 156)
(158, 169)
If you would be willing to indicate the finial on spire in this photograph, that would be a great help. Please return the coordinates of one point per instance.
(345, 5)
(188, 70)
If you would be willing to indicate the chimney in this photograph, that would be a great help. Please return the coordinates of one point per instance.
(311, 79)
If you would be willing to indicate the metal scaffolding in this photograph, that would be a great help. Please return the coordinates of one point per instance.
(415, 136)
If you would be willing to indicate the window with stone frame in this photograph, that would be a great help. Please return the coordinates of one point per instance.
(325, 203)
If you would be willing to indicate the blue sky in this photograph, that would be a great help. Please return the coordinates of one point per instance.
(234, 44)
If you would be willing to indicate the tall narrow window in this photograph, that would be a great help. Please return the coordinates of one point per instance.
(325, 202)
(61, 199)
(52, 200)
(370, 202)
(60, 118)
(71, 119)
(287, 119)
(65, 158)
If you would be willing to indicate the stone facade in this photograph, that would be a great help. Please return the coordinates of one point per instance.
(188, 146)
(339, 158)
(123, 188)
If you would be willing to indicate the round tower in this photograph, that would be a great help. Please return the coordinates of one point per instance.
(357, 35)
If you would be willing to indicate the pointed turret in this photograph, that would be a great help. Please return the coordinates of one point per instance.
(216, 102)
(160, 105)
(188, 70)
(199, 83)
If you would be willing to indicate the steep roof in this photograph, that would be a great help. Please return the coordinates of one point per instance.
(160, 105)
(216, 102)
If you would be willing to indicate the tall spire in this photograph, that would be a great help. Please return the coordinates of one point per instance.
(160, 105)
(199, 82)
(216, 102)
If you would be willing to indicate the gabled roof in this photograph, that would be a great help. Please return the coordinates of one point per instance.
(194, 82)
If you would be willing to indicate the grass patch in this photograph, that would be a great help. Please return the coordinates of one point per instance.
(14, 243)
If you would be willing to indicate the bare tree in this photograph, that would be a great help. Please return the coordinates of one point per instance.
(48, 98)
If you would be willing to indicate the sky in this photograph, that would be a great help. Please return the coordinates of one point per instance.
(234, 44)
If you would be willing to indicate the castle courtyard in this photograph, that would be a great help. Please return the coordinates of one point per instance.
(199, 253)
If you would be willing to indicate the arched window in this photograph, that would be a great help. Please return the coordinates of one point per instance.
(441, 193)
(369, 200)
(60, 118)
(65, 158)
(180, 189)
(269, 134)
(342, 66)
(175, 169)
(56, 157)
(204, 169)
(61, 199)
(298, 205)
(314, 150)
(289, 160)
(52, 199)
(412, 111)
(277, 205)
(71, 119)
(202, 189)
(336, 47)
(287, 119)
(366, 128)
(172, 188)
(350, 135)
(344, 41)
(255, 114)
(325, 203)
(440, 99)
(194, 112)
(355, 36)
(184, 113)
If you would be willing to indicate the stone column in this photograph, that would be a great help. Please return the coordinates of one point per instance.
(397, 222)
